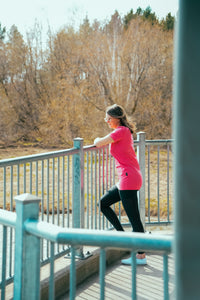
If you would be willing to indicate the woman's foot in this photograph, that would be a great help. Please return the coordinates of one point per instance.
(140, 255)
(140, 260)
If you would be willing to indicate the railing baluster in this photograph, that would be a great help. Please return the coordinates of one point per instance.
(58, 190)
(53, 189)
(87, 190)
(48, 196)
(158, 182)
(168, 182)
(72, 275)
(42, 242)
(95, 188)
(63, 191)
(99, 185)
(113, 171)
(102, 271)
(10, 253)
(4, 188)
(133, 265)
(106, 150)
(24, 178)
(149, 203)
(104, 184)
(165, 277)
(42, 189)
(68, 191)
(11, 188)
(106, 176)
(63, 194)
(58, 195)
(18, 180)
(51, 278)
(110, 170)
(36, 178)
(47, 209)
(30, 178)
(4, 259)
(91, 189)
(103, 171)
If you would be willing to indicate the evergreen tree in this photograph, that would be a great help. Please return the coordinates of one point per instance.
(2, 32)
(168, 22)
(148, 15)
(128, 18)
(130, 15)
(139, 11)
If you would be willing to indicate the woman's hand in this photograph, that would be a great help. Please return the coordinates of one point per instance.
(96, 142)
(99, 142)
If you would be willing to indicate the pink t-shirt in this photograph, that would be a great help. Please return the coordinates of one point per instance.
(128, 169)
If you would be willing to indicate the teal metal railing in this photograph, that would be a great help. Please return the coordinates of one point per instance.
(51, 177)
(159, 183)
(70, 183)
(29, 232)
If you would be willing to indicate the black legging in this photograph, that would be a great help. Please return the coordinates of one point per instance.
(130, 203)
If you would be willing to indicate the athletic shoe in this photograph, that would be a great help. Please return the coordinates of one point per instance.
(139, 261)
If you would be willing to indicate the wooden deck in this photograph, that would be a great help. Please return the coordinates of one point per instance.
(118, 282)
(118, 278)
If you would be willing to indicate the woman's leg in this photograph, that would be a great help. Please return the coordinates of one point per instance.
(111, 196)
(130, 203)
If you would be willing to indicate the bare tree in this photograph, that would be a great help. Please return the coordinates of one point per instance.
(54, 93)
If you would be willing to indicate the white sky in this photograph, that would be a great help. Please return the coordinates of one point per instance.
(57, 13)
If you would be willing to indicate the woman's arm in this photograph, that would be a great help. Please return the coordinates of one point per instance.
(98, 142)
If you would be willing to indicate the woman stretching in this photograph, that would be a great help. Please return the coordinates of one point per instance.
(130, 178)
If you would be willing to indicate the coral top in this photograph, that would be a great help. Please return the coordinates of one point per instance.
(128, 169)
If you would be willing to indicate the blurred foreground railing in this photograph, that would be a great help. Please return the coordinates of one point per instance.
(29, 231)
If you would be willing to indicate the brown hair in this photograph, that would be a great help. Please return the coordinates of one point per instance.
(117, 111)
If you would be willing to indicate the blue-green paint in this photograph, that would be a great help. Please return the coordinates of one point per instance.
(27, 251)
(187, 151)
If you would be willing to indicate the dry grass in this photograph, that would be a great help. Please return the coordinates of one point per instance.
(159, 189)
(13, 152)
(55, 205)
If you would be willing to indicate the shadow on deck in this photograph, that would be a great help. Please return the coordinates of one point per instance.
(118, 281)
(118, 277)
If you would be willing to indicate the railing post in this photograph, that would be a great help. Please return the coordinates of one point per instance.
(141, 159)
(78, 185)
(78, 193)
(187, 154)
(27, 250)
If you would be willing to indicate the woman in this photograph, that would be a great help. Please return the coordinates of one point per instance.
(130, 178)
